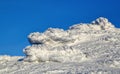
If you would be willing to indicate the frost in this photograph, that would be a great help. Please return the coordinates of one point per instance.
(82, 49)
(58, 54)
(6, 58)
(57, 44)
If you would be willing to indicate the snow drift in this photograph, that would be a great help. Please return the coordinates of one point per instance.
(60, 45)
(92, 48)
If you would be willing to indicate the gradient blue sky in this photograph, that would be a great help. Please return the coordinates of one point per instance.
(18, 18)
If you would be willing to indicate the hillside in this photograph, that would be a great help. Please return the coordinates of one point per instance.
(89, 48)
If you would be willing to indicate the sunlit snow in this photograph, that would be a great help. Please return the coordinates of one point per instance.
(85, 48)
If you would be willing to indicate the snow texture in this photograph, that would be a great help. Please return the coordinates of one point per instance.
(60, 45)
(82, 49)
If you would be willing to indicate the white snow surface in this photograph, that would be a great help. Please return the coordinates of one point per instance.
(85, 48)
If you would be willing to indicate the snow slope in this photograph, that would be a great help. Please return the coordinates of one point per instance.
(85, 48)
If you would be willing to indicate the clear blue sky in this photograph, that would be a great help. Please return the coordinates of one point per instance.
(18, 18)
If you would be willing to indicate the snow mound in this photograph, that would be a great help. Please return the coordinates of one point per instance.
(56, 54)
(53, 35)
(59, 45)
(82, 49)
(7, 58)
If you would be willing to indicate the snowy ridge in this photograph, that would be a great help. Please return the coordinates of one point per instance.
(82, 49)
(56, 44)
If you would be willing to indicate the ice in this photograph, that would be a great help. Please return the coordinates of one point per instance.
(56, 44)
(85, 48)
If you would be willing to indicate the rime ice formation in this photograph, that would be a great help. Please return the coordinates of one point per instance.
(92, 48)
(60, 45)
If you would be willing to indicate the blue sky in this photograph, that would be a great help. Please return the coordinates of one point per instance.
(18, 18)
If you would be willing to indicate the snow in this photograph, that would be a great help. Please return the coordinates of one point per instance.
(85, 48)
